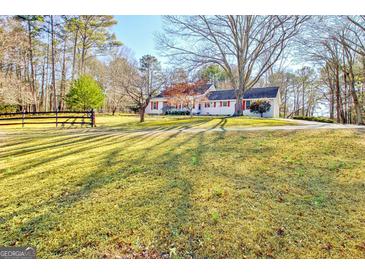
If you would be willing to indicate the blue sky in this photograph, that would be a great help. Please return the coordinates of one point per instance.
(137, 33)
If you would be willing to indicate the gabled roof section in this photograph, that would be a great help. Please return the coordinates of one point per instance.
(254, 93)
(269, 92)
(203, 88)
(225, 94)
(199, 90)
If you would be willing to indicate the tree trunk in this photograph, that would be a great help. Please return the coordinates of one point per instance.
(53, 65)
(238, 106)
(83, 53)
(303, 95)
(355, 98)
(74, 54)
(332, 103)
(41, 103)
(345, 94)
(141, 114)
(339, 107)
(46, 87)
(51, 101)
(297, 96)
(32, 85)
(63, 79)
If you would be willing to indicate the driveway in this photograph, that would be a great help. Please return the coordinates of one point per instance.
(302, 125)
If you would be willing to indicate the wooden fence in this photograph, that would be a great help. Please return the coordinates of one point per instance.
(49, 117)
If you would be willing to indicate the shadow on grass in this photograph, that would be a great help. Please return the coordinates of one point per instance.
(177, 219)
(158, 125)
(92, 141)
(181, 216)
(90, 183)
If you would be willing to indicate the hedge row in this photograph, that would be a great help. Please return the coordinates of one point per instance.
(317, 119)
(177, 112)
(8, 108)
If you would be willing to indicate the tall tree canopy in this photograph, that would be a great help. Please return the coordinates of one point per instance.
(245, 47)
(41, 55)
(318, 62)
(85, 94)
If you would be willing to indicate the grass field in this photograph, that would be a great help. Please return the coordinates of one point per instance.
(111, 194)
(183, 122)
(131, 122)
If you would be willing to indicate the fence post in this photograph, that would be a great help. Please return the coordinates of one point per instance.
(93, 118)
(23, 114)
(56, 117)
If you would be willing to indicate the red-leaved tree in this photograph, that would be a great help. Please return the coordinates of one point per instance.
(185, 94)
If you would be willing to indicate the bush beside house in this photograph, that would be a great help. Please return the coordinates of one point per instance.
(316, 119)
(260, 106)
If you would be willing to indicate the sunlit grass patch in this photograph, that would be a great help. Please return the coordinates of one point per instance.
(181, 122)
(107, 194)
(131, 122)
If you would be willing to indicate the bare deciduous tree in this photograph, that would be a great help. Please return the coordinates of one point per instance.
(118, 71)
(144, 83)
(246, 47)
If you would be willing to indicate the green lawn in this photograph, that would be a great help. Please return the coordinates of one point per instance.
(104, 194)
(152, 122)
(131, 122)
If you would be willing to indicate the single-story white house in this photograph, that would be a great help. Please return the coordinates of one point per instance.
(210, 101)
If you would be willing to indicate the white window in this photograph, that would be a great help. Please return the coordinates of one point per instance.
(154, 105)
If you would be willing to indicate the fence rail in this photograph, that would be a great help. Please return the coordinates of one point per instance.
(56, 117)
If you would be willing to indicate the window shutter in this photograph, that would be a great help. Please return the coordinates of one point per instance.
(151, 105)
(229, 102)
(157, 105)
(220, 103)
(214, 104)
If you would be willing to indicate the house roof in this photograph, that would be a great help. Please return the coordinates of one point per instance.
(199, 90)
(225, 94)
(254, 93)
(203, 88)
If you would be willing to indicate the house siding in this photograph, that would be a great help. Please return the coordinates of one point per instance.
(160, 104)
(219, 109)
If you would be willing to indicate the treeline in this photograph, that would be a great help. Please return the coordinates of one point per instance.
(65, 62)
(317, 61)
(333, 82)
(41, 55)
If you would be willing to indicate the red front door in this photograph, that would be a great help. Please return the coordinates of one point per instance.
(243, 104)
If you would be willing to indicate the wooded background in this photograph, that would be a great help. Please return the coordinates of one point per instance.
(317, 61)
